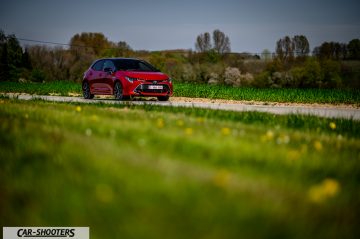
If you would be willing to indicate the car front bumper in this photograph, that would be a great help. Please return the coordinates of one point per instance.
(148, 89)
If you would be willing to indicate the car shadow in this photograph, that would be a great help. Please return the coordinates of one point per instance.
(135, 99)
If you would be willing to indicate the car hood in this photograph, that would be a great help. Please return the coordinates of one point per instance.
(147, 75)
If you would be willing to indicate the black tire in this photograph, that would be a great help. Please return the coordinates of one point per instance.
(86, 91)
(163, 98)
(118, 91)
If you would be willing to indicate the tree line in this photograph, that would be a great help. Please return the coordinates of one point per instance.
(288, 48)
(331, 64)
(41, 63)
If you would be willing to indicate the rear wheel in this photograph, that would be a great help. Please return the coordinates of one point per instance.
(118, 91)
(163, 98)
(86, 91)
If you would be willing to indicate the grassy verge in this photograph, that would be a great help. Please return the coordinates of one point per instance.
(150, 172)
(56, 87)
(331, 96)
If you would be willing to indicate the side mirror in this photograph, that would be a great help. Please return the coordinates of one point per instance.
(108, 70)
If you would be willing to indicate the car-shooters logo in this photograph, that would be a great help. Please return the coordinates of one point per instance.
(46, 232)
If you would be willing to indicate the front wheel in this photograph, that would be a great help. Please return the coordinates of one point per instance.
(163, 98)
(86, 91)
(118, 91)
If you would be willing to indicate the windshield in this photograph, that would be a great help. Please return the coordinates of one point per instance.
(133, 65)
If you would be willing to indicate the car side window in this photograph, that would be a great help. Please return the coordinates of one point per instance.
(108, 64)
(98, 66)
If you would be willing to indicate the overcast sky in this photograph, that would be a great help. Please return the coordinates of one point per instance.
(252, 25)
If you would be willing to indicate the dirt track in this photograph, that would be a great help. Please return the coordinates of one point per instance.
(321, 110)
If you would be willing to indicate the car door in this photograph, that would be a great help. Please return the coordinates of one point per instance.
(95, 76)
(107, 77)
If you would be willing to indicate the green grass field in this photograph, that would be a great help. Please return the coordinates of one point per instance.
(332, 96)
(153, 172)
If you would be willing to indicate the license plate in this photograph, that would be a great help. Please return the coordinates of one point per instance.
(155, 87)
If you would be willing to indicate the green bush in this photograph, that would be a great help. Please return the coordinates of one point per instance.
(262, 80)
(350, 74)
(313, 74)
(331, 71)
(275, 66)
(309, 75)
(37, 75)
(212, 56)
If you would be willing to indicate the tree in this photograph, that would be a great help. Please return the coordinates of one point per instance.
(285, 49)
(123, 45)
(123, 49)
(11, 57)
(86, 47)
(117, 49)
(221, 42)
(331, 50)
(266, 55)
(288, 48)
(4, 71)
(25, 60)
(14, 51)
(302, 46)
(354, 49)
(325, 50)
(280, 51)
(89, 43)
(203, 42)
(4, 66)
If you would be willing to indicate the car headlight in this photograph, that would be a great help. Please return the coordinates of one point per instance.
(130, 79)
(169, 80)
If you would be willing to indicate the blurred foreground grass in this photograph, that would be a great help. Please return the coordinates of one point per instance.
(154, 172)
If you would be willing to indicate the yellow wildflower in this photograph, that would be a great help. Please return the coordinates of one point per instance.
(180, 123)
(94, 118)
(160, 123)
(221, 178)
(293, 155)
(283, 139)
(189, 131)
(332, 125)
(331, 187)
(200, 120)
(323, 191)
(78, 108)
(225, 131)
(318, 146)
(268, 136)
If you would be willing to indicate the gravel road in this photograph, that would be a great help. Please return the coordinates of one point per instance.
(316, 110)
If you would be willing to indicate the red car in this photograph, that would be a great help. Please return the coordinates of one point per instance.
(124, 78)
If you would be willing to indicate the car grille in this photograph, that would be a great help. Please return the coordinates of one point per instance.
(145, 88)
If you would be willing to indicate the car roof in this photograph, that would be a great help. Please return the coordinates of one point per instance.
(118, 58)
(114, 58)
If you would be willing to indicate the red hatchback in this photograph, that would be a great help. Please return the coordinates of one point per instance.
(124, 78)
